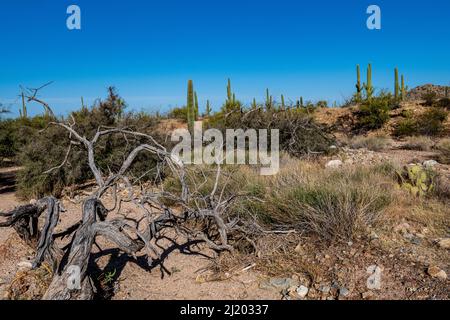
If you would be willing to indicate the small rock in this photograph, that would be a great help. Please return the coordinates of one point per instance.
(430, 163)
(367, 295)
(373, 236)
(444, 243)
(333, 164)
(25, 265)
(302, 291)
(436, 272)
(403, 228)
(324, 289)
(33, 201)
(343, 292)
(299, 249)
(374, 280)
(279, 283)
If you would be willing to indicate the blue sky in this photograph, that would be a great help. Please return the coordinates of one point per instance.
(149, 49)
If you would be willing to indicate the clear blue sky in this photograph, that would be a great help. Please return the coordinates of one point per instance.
(149, 49)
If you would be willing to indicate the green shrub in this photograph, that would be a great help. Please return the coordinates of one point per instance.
(300, 135)
(444, 103)
(431, 122)
(45, 149)
(406, 127)
(178, 113)
(374, 113)
(429, 98)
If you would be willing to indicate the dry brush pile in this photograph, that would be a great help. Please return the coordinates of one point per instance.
(197, 217)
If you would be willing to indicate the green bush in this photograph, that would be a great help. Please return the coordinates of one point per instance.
(178, 113)
(406, 127)
(429, 98)
(374, 112)
(300, 135)
(431, 122)
(45, 149)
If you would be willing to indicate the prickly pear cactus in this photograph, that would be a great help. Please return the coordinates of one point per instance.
(417, 180)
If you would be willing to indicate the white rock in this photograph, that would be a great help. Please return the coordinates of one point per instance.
(334, 164)
(444, 243)
(430, 163)
(302, 291)
(436, 272)
(374, 280)
(33, 201)
(25, 265)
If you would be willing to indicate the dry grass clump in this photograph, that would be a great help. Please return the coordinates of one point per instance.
(419, 143)
(332, 204)
(30, 284)
(444, 148)
(374, 143)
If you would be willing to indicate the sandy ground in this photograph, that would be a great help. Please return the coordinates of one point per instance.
(179, 276)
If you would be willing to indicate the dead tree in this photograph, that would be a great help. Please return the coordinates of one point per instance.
(71, 279)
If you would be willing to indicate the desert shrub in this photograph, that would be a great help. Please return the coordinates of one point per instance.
(300, 135)
(47, 148)
(331, 204)
(444, 148)
(374, 113)
(429, 98)
(419, 143)
(8, 146)
(406, 127)
(442, 188)
(374, 143)
(444, 103)
(431, 122)
(178, 113)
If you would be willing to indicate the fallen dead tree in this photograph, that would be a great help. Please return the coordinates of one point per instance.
(71, 279)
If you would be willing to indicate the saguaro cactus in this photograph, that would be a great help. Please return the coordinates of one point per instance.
(24, 113)
(208, 108)
(396, 86)
(190, 106)
(368, 85)
(283, 106)
(196, 106)
(358, 84)
(254, 106)
(268, 100)
(229, 91)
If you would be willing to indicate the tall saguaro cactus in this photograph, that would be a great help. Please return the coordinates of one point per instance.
(358, 84)
(268, 100)
(396, 86)
(190, 106)
(229, 92)
(368, 85)
(283, 106)
(208, 108)
(254, 105)
(196, 106)
(24, 113)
